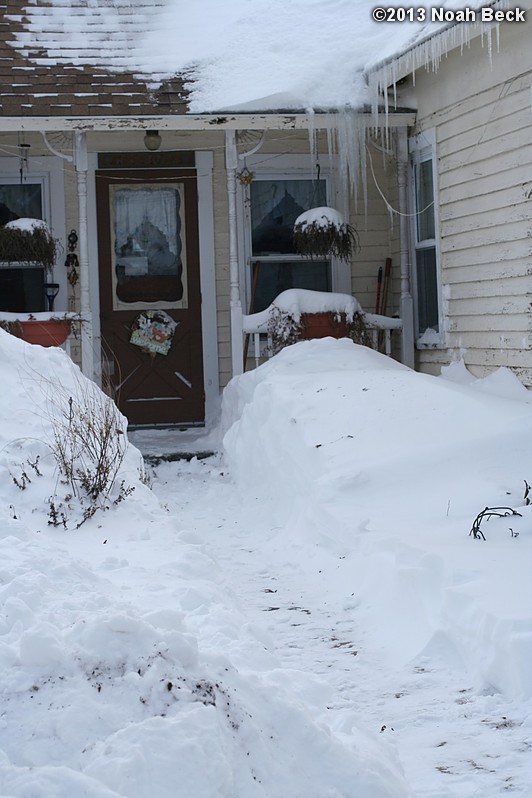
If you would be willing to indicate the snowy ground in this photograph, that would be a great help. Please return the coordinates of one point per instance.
(304, 614)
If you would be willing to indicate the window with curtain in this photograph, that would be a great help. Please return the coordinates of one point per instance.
(275, 265)
(148, 247)
(20, 200)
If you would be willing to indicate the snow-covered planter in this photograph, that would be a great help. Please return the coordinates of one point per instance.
(299, 315)
(321, 232)
(28, 241)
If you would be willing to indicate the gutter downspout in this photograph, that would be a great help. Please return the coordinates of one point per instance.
(237, 336)
(407, 304)
(81, 164)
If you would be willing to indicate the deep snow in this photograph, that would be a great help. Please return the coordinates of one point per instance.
(304, 614)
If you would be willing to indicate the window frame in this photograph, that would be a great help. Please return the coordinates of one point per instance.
(283, 167)
(422, 148)
(48, 170)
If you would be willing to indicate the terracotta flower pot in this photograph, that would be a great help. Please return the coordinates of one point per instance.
(322, 325)
(52, 332)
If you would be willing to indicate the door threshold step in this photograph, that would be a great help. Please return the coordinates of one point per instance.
(172, 457)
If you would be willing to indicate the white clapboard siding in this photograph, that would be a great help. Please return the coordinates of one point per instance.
(484, 163)
(500, 198)
(510, 322)
(517, 286)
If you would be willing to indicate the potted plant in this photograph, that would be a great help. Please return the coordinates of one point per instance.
(30, 242)
(321, 232)
(298, 315)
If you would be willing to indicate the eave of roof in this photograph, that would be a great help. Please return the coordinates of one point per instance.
(271, 121)
(429, 51)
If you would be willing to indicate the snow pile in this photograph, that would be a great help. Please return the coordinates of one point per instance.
(389, 468)
(128, 669)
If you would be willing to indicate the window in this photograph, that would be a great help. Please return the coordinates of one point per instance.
(274, 205)
(21, 287)
(20, 201)
(426, 269)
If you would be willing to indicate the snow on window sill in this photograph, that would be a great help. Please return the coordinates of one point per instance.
(431, 339)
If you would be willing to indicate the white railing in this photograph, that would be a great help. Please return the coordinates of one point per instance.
(255, 326)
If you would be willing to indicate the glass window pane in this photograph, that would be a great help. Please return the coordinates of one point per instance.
(275, 205)
(22, 290)
(277, 276)
(148, 245)
(427, 290)
(425, 201)
(20, 201)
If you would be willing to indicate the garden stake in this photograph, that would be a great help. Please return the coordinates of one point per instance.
(379, 283)
(385, 286)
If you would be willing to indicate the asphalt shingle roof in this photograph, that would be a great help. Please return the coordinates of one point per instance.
(56, 80)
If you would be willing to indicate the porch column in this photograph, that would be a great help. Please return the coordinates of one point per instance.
(407, 304)
(80, 161)
(237, 337)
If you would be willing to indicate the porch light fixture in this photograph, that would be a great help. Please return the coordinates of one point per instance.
(152, 140)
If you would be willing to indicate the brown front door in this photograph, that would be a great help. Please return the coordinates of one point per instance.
(150, 293)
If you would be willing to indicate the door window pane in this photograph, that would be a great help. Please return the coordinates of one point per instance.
(148, 246)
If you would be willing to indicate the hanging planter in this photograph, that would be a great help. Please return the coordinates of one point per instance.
(28, 241)
(321, 232)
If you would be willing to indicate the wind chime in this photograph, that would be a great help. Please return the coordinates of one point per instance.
(23, 152)
(72, 261)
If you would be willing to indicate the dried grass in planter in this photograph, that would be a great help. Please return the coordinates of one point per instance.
(322, 232)
(31, 246)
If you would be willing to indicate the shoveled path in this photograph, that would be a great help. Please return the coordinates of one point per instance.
(451, 740)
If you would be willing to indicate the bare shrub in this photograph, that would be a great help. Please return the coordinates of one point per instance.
(89, 442)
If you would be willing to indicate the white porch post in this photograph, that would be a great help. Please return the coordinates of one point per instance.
(80, 160)
(407, 304)
(237, 337)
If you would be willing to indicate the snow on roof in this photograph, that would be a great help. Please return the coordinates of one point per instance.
(266, 55)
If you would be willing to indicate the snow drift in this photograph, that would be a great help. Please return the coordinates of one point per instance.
(390, 468)
(128, 669)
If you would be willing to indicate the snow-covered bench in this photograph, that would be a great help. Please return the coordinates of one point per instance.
(297, 302)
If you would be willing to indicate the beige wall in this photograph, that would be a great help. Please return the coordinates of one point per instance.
(378, 237)
(481, 112)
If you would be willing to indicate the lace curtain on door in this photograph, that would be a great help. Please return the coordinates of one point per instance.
(147, 244)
